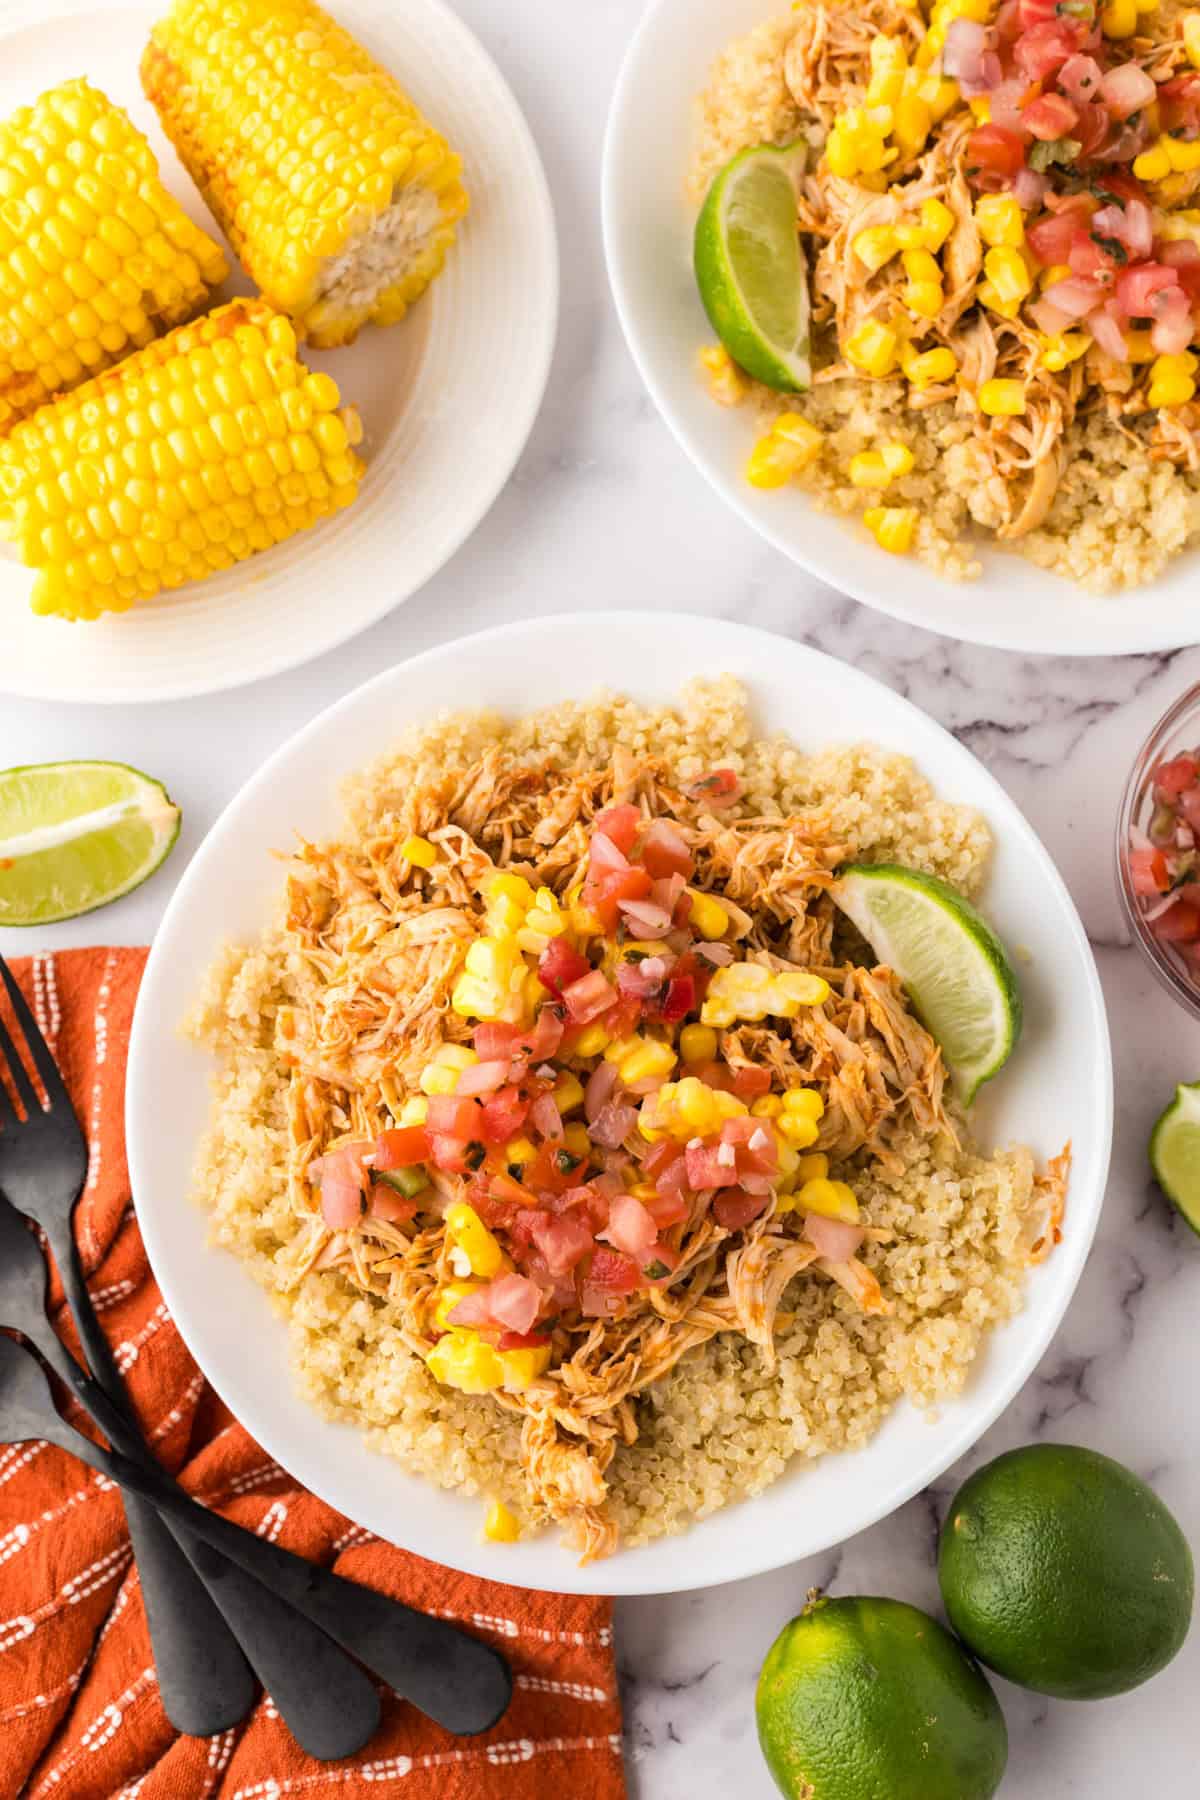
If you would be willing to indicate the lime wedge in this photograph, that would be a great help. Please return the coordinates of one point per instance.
(950, 961)
(1175, 1152)
(75, 835)
(750, 268)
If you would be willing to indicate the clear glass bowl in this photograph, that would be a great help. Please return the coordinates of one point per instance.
(1177, 730)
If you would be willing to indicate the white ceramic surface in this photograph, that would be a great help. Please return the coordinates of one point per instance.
(1058, 1086)
(647, 234)
(447, 397)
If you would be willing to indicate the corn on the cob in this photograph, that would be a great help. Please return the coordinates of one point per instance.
(338, 196)
(95, 256)
(204, 447)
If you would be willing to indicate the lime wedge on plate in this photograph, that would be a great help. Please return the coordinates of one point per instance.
(75, 835)
(950, 960)
(1175, 1152)
(750, 268)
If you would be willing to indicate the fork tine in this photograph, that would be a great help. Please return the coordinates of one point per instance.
(26, 1092)
(44, 1062)
(8, 1112)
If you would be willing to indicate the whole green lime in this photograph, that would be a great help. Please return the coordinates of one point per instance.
(867, 1699)
(1065, 1573)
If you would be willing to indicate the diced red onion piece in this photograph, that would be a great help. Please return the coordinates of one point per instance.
(612, 1124)
(1157, 910)
(1076, 296)
(666, 891)
(545, 1117)
(604, 853)
(599, 1090)
(648, 919)
(833, 1237)
(1108, 334)
(1125, 89)
(718, 954)
(481, 1078)
(962, 53)
(1028, 188)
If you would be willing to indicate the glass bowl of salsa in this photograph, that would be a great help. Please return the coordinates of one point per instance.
(1158, 850)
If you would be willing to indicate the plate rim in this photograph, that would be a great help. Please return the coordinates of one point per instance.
(17, 16)
(635, 1570)
(1058, 642)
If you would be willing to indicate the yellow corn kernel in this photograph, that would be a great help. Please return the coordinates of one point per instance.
(499, 1524)
(1005, 269)
(913, 123)
(798, 1131)
(840, 157)
(892, 527)
(813, 1167)
(509, 887)
(1153, 163)
(686, 1109)
(875, 246)
(873, 348)
(789, 1160)
(806, 1102)
(1064, 348)
(978, 10)
(440, 1075)
(925, 298)
(521, 1367)
(889, 60)
(420, 851)
(768, 1107)
(790, 445)
(981, 106)
(987, 295)
(725, 381)
(567, 1092)
(1000, 220)
(449, 1297)
(466, 1229)
(1119, 18)
(708, 916)
(518, 1151)
(1191, 38)
(697, 1043)
(1184, 156)
(649, 1058)
(1002, 399)
(592, 1040)
(750, 991)
(937, 222)
(875, 469)
(941, 96)
(925, 367)
(461, 1359)
(584, 922)
(576, 1139)
(922, 265)
(415, 1111)
(1055, 273)
(1171, 380)
(1139, 347)
(829, 1199)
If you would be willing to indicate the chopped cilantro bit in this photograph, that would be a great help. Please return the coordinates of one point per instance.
(1057, 150)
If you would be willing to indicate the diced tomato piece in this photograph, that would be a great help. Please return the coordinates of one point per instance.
(750, 1083)
(503, 1115)
(559, 965)
(497, 1215)
(553, 1170)
(706, 1168)
(1184, 258)
(401, 1147)
(1181, 925)
(667, 1208)
(1050, 237)
(614, 1271)
(658, 1157)
(1050, 116)
(660, 1264)
(506, 1188)
(493, 1040)
(523, 1340)
(680, 998)
(451, 1117)
(457, 1155)
(720, 787)
(1037, 12)
(1137, 287)
(1148, 872)
(588, 997)
(387, 1204)
(995, 149)
(630, 1227)
(753, 1157)
(714, 1075)
(564, 1239)
(602, 893)
(1170, 778)
(1189, 806)
(736, 1209)
(665, 851)
(1091, 260)
(620, 824)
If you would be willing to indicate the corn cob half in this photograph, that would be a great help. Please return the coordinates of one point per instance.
(96, 256)
(339, 198)
(204, 447)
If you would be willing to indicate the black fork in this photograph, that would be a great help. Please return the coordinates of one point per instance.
(204, 1680)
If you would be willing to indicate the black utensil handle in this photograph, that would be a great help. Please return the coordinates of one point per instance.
(447, 1674)
(205, 1682)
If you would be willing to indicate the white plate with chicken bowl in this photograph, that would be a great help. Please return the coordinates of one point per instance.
(195, 494)
(618, 1227)
(984, 421)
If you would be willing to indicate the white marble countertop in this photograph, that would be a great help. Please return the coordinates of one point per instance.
(1059, 734)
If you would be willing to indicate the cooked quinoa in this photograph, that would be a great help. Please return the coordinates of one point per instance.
(961, 1227)
(1127, 500)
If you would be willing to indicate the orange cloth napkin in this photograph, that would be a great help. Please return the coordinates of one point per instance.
(80, 1716)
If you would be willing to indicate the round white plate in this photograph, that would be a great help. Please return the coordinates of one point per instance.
(648, 241)
(1059, 1085)
(448, 396)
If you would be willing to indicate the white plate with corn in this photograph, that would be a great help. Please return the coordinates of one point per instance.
(257, 266)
